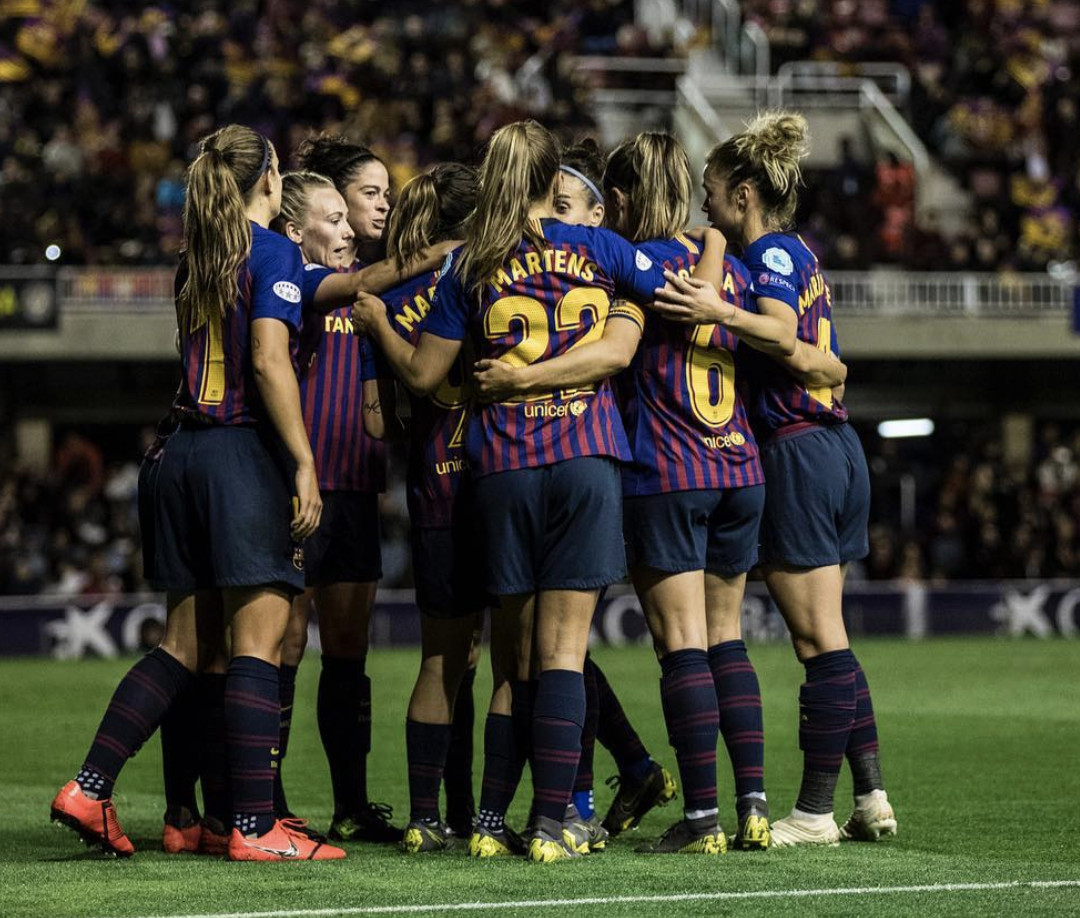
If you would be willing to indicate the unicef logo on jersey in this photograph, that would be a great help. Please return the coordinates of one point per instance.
(778, 260)
(642, 261)
(288, 291)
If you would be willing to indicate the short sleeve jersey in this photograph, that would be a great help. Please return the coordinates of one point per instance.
(218, 378)
(683, 403)
(544, 301)
(783, 268)
(334, 365)
(436, 435)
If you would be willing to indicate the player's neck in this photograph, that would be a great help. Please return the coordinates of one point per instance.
(258, 211)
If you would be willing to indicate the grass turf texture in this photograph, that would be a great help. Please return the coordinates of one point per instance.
(979, 755)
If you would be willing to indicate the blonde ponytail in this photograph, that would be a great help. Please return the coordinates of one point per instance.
(767, 154)
(654, 172)
(217, 233)
(519, 168)
(432, 207)
(296, 188)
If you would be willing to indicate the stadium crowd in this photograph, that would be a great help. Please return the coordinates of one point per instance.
(994, 90)
(73, 529)
(96, 125)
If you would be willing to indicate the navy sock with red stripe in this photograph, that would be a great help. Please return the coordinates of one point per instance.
(181, 730)
(558, 713)
(213, 758)
(688, 697)
(343, 706)
(614, 731)
(862, 747)
(583, 781)
(252, 734)
(458, 774)
(826, 713)
(738, 697)
(137, 708)
(287, 696)
(503, 764)
(426, 746)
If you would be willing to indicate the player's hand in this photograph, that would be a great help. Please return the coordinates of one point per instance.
(307, 504)
(692, 301)
(496, 380)
(366, 312)
(838, 392)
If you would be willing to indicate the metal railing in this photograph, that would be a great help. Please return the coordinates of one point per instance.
(882, 292)
(926, 294)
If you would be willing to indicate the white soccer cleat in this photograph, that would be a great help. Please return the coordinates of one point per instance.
(799, 828)
(872, 819)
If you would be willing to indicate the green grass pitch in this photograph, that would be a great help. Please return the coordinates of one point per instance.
(980, 743)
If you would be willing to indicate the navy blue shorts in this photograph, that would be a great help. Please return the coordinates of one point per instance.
(148, 473)
(817, 498)
(346, 547)
(222, 505)
(715, 531)
(557, 527)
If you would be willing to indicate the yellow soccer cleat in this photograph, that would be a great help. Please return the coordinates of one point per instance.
(422, 836)
(548, 842)
(692, 836)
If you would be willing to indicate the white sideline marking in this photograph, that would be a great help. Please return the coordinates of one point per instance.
(620, 900)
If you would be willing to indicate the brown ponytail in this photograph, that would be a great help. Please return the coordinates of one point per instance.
(217, 233)
(519, 169)
(432, 206)
(653, 171)
(766, 155)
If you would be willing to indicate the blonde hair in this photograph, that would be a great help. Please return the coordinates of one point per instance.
(519, 168)
(217, 233)
(296, 188)
(767, 155)
(432, 206)
(654, 172)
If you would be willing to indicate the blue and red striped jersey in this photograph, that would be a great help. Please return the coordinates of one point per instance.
(683, 404)
(783, 268)
(541, 303)
(335, 363)
(218, 380)
(436, 436)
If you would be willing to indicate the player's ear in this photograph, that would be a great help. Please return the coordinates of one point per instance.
(596, 215)
(294, 233)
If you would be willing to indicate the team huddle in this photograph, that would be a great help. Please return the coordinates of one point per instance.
(595, 391)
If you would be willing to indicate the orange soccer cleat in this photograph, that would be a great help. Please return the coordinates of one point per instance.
(214, 841)
(94, 820)
(286, 841)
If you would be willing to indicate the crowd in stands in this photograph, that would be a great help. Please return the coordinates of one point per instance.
(102, 102)
(977, 516)
(995, 96)
(73, 529)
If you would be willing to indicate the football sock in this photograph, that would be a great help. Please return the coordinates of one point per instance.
(614, 732)
(137, 707)
(583, 781)
(584, 803)
(213, 758)
(688, 697)
(180, 752)
(287, 695)
(826, 712)
(522, 698)
(738, 697)
(503, 764)
(862, 747)
(252, 732)
(558, 713)
(343, 705)
(426, 746)
(458, 774)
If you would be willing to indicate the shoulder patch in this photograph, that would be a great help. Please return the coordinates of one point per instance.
(311, 266)
(642, 261)
(447, 263)
(778, 260)
(288, 291)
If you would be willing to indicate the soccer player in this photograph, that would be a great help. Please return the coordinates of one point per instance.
(641, 783)
(693, 494)
(223, 489)
(447, 558)
(817, 485)
(546, 467)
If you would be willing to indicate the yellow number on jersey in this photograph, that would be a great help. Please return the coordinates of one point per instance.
(702, 361)
(824, 344)
(212, 391)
